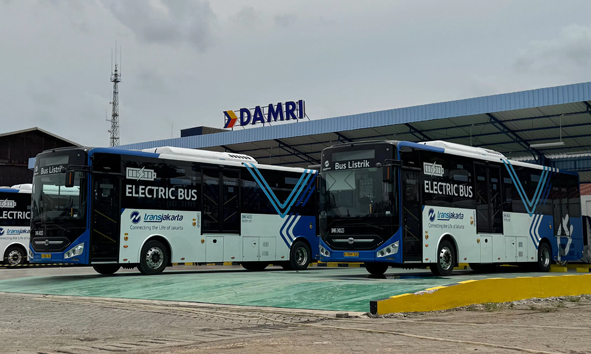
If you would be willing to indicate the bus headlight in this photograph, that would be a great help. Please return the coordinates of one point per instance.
(389, 250)
(324, 252)
(75, 251)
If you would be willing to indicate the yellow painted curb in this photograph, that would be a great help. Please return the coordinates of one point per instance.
(582, 270)
(558, 269)
(484, 290)
(578, 265)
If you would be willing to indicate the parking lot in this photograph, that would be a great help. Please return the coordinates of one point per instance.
(318, 288)
(74, 310)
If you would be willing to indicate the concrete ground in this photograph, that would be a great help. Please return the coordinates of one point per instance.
(51, 324)
(72, 325)
(337, 289)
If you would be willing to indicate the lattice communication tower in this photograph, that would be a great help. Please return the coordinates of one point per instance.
(115, 79)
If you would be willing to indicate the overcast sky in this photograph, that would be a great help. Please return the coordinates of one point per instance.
(184, 62)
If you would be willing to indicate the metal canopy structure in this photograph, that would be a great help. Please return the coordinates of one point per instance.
(548, 126)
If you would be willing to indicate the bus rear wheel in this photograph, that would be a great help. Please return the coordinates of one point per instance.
(154, 258)
(544, 257)
(299, 257)
(106, 269)
(446, 259)
(255, 266)
(15, 256)
(376, 268)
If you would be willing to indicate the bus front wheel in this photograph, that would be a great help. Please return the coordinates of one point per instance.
(154, 258)
(446, 259)
(106, 269)
(376, 268)
(15, 256)
(299, 257)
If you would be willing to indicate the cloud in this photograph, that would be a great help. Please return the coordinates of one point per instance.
(571, 48)
(169, 23)
(246, 17)
(285, 20)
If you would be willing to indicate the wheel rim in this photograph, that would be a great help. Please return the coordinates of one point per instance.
(445, 258)
(301, 256)
(545, 257)
(15, 257)
(154, 258)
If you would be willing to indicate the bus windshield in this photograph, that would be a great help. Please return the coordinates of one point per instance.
(58, 213)
(53, 202)
(356, 193)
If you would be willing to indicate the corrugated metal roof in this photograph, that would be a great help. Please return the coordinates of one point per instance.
(480, 105)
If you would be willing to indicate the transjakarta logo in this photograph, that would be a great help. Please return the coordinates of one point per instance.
(13, 232)
(7, 204)
(433, 169)
(162, 217)
(135, 217)
(431, 214)
(447, 215)
(288, 111)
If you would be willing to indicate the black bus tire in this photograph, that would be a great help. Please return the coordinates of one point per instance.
(255, 266)
(106, 269)
(15, 256)
(376, 268)
(446, 259)
(299, 256)
(153, 258)
(544, 257)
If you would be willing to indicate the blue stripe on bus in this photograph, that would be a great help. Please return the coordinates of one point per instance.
(295, 193)
(281, 205)
(281, 230)
(530, 205)
(8, 190)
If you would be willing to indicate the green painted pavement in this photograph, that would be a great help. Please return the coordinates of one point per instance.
(340, 289)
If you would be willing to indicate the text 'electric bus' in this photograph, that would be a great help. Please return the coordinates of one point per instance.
(15, 216)
(396, 203)
(148, 209)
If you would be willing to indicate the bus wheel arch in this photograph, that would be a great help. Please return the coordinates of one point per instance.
(446, 256)
(300, 255)
(15, 255)
(155, 255)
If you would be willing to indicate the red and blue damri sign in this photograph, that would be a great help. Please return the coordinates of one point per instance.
(281, 111)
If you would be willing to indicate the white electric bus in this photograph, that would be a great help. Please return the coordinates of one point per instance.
(113, 208)
(15, 215)
(436, 204)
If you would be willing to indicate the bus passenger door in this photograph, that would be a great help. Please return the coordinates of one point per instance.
(411, 216)
(106, 215)
(489, 212)
(211, 201)
(221, 214)
(221, 200)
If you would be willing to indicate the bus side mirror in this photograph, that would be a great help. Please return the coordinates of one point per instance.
(70, 179)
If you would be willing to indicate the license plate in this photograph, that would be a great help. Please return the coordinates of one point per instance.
(351, 254)
(46, 256)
